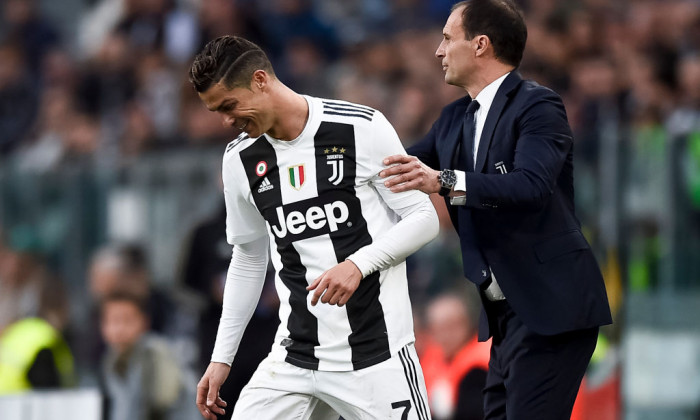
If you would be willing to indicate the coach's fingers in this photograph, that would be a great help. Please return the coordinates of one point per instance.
(393, 170)
(394, 159)
(406, 186)
(402, 178)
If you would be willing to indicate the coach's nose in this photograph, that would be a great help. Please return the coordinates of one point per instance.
(440, 52)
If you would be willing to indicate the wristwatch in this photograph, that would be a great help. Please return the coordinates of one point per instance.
(447, 179)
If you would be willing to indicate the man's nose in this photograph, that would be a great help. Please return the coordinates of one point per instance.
(440, 52)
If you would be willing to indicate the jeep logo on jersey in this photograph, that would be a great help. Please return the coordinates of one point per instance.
(296, 176)
(319, 219)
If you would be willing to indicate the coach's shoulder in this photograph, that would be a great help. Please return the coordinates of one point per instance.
(534, 90)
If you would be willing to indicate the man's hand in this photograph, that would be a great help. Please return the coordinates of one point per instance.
(338, 283)
(208, 401)
(411, 174)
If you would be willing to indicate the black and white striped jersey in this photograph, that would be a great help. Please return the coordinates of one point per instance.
(319, 200)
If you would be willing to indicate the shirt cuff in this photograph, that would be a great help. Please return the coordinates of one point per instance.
(461, 186)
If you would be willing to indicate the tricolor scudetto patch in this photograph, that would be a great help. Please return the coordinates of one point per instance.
(296, 176)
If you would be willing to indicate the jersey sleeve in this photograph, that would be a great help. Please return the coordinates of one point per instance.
(244, 223)
(244, 283)
(418, 222)
(386, 142)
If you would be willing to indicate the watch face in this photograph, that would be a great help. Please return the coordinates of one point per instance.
(448, 178)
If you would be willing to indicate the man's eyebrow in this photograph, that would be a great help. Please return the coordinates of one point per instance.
(223, 104)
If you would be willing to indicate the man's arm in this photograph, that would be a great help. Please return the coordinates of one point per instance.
(541, 150)
(417, 226)
(244, 283)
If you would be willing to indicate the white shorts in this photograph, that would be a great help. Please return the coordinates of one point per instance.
(393, 389)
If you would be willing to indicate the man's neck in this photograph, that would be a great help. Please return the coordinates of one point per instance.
(487, 76)
(292, 113)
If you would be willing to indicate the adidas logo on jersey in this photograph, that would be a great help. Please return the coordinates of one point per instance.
(266, 185)
(315, 218)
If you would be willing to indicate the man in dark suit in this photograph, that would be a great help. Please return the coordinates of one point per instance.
(504, 163)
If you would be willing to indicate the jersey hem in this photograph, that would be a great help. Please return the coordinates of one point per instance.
(363, 364)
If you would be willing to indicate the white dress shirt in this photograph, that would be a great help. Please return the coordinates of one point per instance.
(485, 99)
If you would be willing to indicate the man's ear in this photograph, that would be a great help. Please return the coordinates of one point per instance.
(260, 79)
(482, 43)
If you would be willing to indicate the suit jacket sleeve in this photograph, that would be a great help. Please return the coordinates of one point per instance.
(425, 149)
(543, 143)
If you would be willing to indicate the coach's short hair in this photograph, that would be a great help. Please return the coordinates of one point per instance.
(501, 21)
(231, 60)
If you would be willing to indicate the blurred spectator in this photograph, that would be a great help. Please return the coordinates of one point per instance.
(27, 288)
(33, 313)
(107, 87)
(17, 97)
(117, 269)
(455, 362)
(685, 118)
(150, 25)
(225, 17)
(303, 65)
(33, 356)
(140, 376)
(144, 23)
(34, 34)
(286, 21)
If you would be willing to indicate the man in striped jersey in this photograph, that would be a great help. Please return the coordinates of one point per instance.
(301, 181)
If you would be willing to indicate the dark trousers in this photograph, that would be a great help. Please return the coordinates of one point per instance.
(532, 376)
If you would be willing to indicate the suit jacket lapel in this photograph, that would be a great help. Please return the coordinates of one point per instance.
(450, 150)
(499, 102)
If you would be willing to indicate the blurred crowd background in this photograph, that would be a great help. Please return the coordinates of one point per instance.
(111, 211)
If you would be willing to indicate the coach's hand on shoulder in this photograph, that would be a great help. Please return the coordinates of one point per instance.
(208, 401)
(338, 283)
(409, 173)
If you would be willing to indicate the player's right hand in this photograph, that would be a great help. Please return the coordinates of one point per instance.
(208, 401)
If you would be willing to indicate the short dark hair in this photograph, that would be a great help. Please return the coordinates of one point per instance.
(500, 20)
(228, 59)
(125, 296)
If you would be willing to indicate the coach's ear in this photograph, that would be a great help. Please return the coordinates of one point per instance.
(481, 44)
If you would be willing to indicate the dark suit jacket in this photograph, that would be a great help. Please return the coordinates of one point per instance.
(521, 223)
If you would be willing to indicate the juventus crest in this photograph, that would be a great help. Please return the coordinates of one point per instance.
(334, 158)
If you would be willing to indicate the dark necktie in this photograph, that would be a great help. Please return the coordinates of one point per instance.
(468, 131)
